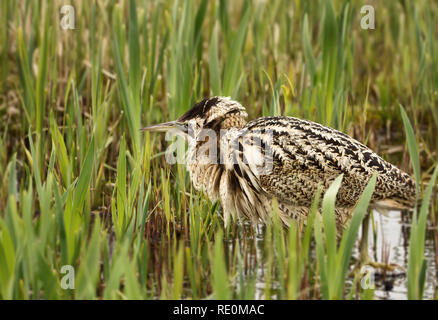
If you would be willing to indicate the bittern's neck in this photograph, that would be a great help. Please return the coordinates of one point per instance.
(204, 155)
(234, 120)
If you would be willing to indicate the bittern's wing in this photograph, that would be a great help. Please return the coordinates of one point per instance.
(305, 155)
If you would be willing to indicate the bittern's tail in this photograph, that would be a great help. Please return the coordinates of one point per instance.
(403, 197)
(405, 200)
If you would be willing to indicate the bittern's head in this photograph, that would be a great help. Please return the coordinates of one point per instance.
(211, 113)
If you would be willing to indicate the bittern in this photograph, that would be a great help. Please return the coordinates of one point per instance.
(246, 165)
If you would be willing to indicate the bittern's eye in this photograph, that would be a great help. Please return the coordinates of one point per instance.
(189, 129)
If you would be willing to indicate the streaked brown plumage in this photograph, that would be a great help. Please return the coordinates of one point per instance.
(301, 156)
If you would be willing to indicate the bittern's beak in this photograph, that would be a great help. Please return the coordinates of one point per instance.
(165, 126)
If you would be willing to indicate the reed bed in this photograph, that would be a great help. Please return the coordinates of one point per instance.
(83, 187)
